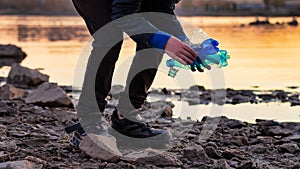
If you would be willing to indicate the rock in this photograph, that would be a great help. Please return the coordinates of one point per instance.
(247, 165)
(240, 99)
(3, 156)
(231, 92)
(294, 97)
(272, 128)
(166, 91)
(10, 54)
(206, 96)
(36, 160)
(236, 140)
(234, 124)
(23, 77)
(295, 138)
(36, 142)
(297, 166)
(50, 95)
(8, 145)
(24, 164)
(221, 164)
(19, 134)
(168, 112)
(32, 109)
(212, 153)
(3, 130)
(261, 122)
(64, 115)
(258, 149)
(9, 92)
(274, 131)
(232, 153)
(152, 156)
(280, 95)
(2, 79)
(288, 148)
(293, 126)
(116, 90)
(100, 147)
(119, 165)
(266, 97)
(3, 108)
(295, 103)
(69, 89)
(197, 88)
(248, 93)
(196, 153)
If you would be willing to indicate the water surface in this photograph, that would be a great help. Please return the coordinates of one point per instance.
(263, 56)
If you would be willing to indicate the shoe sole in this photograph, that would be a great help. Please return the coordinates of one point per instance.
(159, 141)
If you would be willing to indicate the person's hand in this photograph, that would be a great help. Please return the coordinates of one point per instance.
(180, 51)
(206, 52)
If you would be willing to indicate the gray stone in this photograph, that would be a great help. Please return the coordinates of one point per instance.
(24, 164)
(235, 140)
(120, 165)
(100, 147)
(233, 124)
(295, 103)
(152, 156)
(263, 140)
(63, 115)
(3, 156)
(288, 148)
(212, 153)
(3, 130)
(294, 97)
(196, 153)
(258, 149)
(240, 99)
(272, 128)
(9, 92)
(36, 160)
(197, 88)
(10, 54)
(266, 97)
(280, 94)
(23, 77)
(50, 95)
(116, 90)
(32, 109)
(232, 153)
(221, 164)
(297, 166)
(247, 165)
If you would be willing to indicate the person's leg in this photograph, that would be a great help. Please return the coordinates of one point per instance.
(98, 76)
(97, 14)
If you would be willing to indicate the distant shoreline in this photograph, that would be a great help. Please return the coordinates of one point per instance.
(179, 12)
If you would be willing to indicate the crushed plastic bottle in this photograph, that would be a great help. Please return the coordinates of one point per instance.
(208, 54)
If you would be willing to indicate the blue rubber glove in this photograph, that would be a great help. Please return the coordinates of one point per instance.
(207, 48)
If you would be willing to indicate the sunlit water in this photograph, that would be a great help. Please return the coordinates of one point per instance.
(264, 56)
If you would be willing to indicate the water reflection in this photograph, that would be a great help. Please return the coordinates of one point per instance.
(28, 33)
(266, 56)
(245, 112)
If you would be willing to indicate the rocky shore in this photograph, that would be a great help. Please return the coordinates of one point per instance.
(34, 137)
(34, 113)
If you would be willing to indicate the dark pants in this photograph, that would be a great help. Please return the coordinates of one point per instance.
(96, 14)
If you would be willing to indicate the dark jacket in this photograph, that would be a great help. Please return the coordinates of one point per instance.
(136, 26)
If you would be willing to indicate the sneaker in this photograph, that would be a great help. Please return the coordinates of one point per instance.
(77, 135)
(137, 133)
